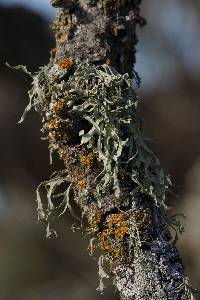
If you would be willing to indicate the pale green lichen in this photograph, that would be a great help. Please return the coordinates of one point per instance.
(102, 273)
(48, 211)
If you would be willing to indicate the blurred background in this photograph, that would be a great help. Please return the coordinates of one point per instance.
(168, 61)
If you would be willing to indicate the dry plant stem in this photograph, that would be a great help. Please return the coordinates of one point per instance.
(90, 114)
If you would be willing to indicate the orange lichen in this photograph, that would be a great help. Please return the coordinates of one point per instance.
(53, 124)
(98, 216)
(121, 231)
(94, 221)
(116, 219)
(90, 221)
(66, 63)
(107, 246)
(111, 245)
(111, 238)
(104, 234)
(87, 160)
(58, 106)
(82, 184)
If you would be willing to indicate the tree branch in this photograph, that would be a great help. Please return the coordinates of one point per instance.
(86, 96)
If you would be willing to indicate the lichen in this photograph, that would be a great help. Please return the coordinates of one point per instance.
(65, 63)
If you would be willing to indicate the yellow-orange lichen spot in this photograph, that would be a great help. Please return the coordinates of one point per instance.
(66, 63)
(58, 106)
(98, 216)
(87, 160)
(104, 234)
(82, 184)
(95, 220)
(107, 246)
(53, 124)
(121, 231)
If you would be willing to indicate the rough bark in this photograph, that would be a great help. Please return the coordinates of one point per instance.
(90, 114)
(100, 31)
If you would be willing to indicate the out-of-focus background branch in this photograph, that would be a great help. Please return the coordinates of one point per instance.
(168, 60)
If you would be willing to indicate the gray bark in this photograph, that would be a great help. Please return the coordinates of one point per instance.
(98, 31)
